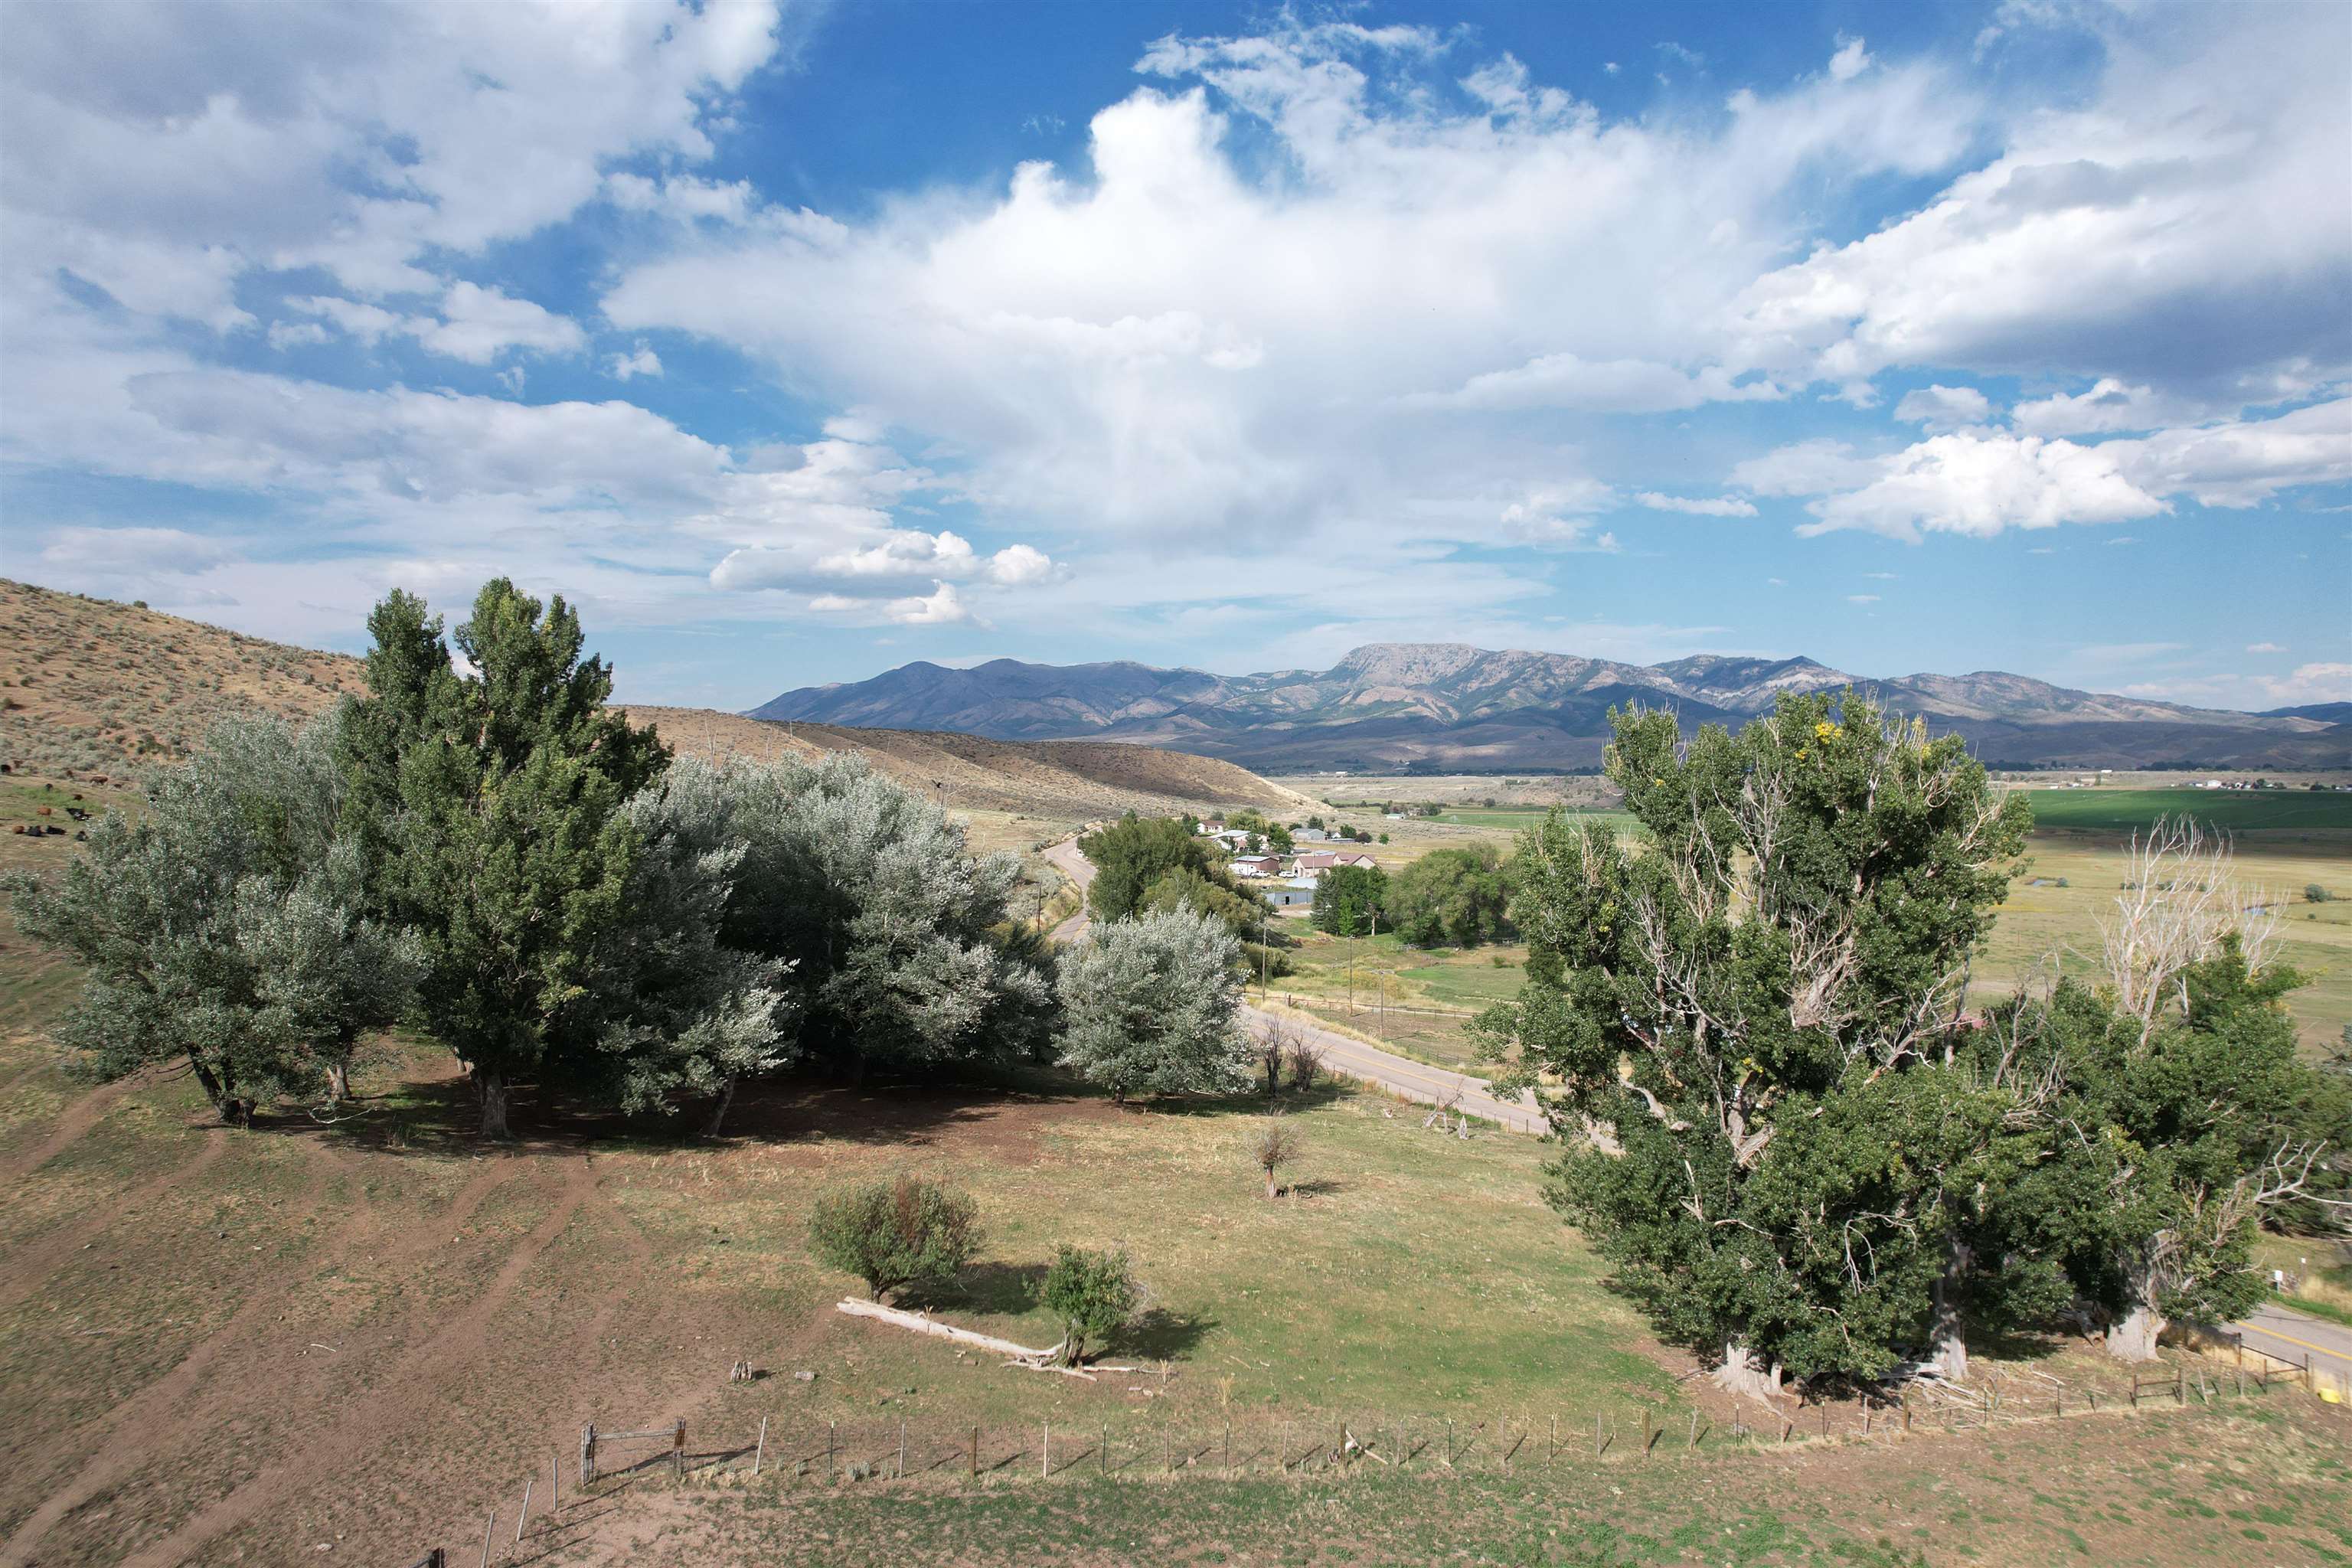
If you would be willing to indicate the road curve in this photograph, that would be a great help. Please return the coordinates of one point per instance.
(1343, 1054)
(2287, 1335)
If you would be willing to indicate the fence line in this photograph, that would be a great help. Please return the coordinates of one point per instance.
(1495, 1443)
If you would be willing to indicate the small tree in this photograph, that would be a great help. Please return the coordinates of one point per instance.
(1274, 1144)
(1094, 1294)
(895, 1234)
(2314, 893)
(1149, 1006)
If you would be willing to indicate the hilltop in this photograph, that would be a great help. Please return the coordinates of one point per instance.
(1454, 706)
(89, 685)
(92, 685)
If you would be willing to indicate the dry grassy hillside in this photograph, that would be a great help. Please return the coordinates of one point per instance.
(91, 685)
(1073, 781)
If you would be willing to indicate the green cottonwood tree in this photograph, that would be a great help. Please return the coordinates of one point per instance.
(1149, 1006)
(1135, 852)
(1720, 1007)
(1457, 896)
(226, 927)
(1349, 899)
(495, 800)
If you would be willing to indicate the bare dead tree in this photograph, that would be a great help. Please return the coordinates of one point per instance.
(1273, 1045)
(1307, 1058)
(1274, 1144)
(2180, 900)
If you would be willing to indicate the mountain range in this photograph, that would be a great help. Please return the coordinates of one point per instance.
(1455, 707)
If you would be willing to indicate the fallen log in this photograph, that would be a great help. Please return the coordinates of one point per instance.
(923, 1324)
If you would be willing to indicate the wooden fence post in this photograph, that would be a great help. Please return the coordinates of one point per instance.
(1694, 1431)
(975, 1453)
(902, 1447)
(525, 1514)
(588, 1453)
(760, 1454)
(487, 1525)
(1449, 1442)
(1598, 1442)
(2180, 1386)
(832, 1432)
(1046, 1452)
(677, 1450)
(1102, 1452)
(1229, 1445)
(554, 1485)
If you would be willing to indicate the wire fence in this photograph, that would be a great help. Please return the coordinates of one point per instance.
(1260, 1445)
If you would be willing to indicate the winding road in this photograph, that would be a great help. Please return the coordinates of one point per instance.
(1343, 1054)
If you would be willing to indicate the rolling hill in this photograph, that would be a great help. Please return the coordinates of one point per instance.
(1452, 705)
(91, 686)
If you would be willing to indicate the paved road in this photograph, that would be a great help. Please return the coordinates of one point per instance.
(2288, 1335)
(1345, 1054)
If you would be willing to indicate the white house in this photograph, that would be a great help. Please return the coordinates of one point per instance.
(1308, 834)
(1255, 866)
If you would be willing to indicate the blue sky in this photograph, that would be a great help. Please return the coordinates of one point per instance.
(795, 343)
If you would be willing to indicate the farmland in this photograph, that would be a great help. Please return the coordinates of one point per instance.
(2112, 811)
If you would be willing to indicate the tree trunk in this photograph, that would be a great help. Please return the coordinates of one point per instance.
(1269, 1184)
(1948, 1337)
(492, 1083)
(211, 1084)
(719, 1111)
(2132, 1336)
(1743, 1372)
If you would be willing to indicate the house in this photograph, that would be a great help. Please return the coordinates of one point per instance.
(1359, 858)
(1232, 838)
(1308, 836)
(1313, 863)
(1255, 866)
(1210, 826)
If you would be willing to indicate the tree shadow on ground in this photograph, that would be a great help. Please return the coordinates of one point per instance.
(1325, 1091)
(1159, 1334)
(433, 1109)
(1000, 1290)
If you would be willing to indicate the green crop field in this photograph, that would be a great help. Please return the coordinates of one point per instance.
(2235, 811)
(1517, 818)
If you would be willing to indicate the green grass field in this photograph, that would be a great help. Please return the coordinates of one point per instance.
(2108, 810)
(1518, 819)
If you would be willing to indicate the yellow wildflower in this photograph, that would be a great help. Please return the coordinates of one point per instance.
(1824, 730)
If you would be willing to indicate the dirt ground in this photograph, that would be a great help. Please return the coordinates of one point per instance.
(354, 1342)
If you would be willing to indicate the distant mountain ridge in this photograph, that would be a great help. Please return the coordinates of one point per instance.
(1454, 706)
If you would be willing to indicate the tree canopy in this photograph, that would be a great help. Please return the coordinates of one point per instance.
(1150, 1007)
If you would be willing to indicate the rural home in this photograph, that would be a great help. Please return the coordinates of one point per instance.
(1255, 866)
